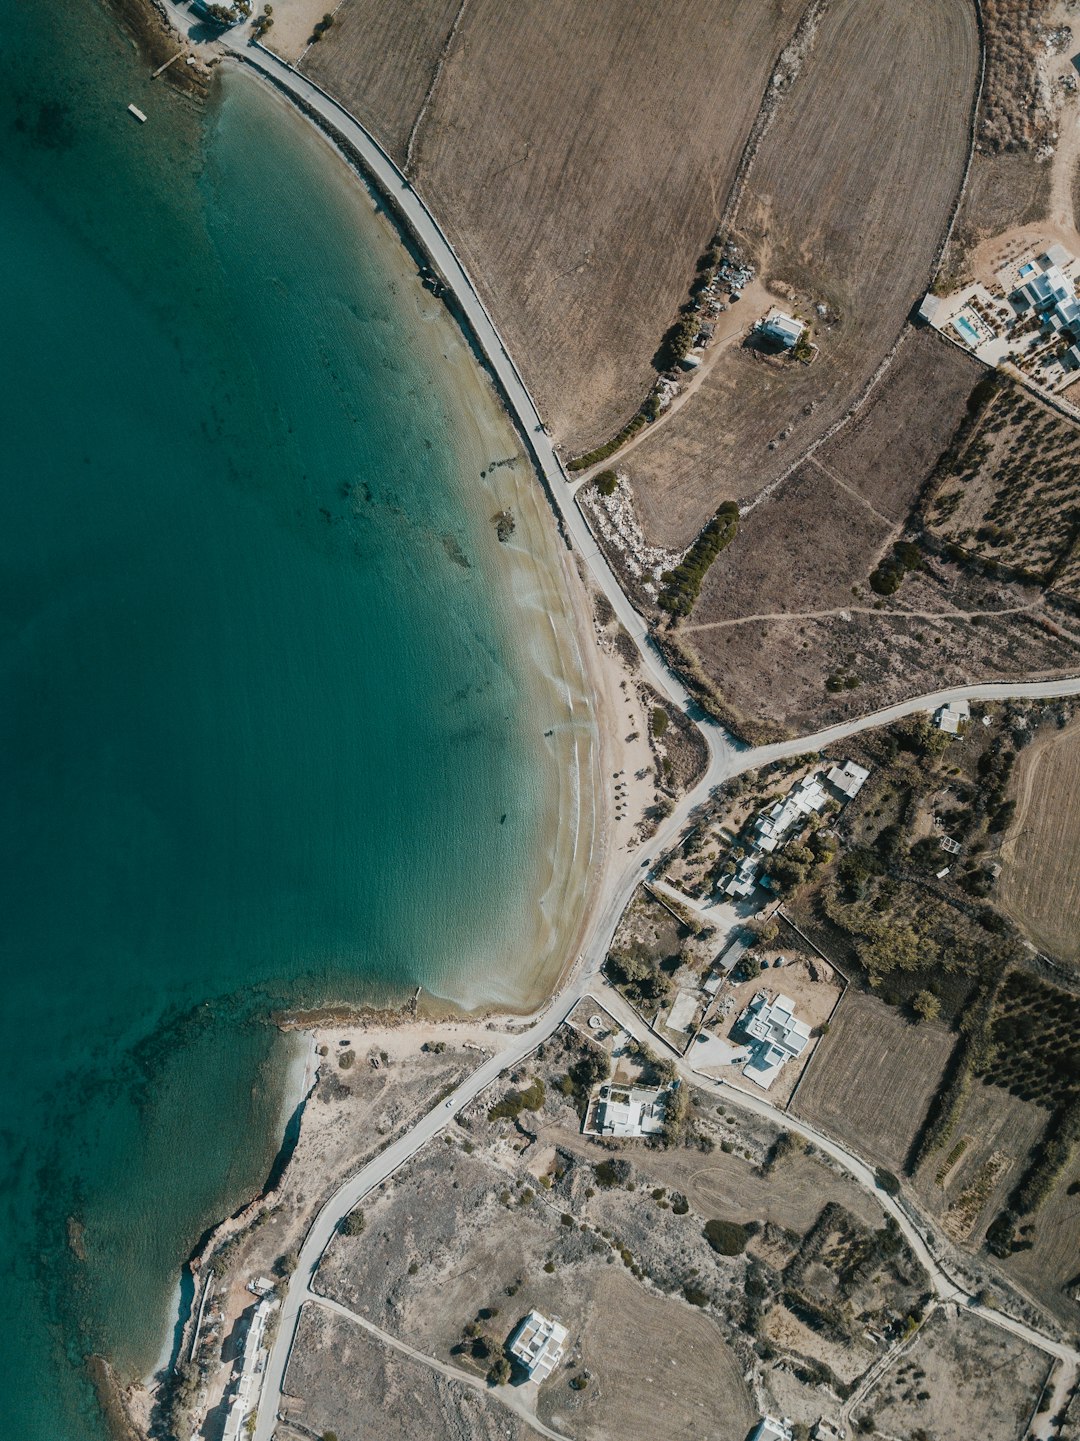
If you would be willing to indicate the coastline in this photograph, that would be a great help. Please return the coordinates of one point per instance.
(552, 603)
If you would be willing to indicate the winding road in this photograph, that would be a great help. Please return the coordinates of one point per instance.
(727, 758)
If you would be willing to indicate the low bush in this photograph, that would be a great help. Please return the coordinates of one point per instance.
(727, 1238)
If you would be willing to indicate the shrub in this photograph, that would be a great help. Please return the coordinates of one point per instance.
(606, 482)
(886, 1181)
(696, 1296)
(499, 1373)
(682, 586)
(514, 1102)
(612, 1173)
(353, 1224)
(727, 1238)
(659, 721)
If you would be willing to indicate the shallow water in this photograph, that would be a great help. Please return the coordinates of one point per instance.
(274, 696)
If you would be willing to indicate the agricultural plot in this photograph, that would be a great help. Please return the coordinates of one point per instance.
(632, 1386)
(965, 1182)
(1040, 880)
(887, 450)
(580, 158)
(1009, 493)
(837, 214)
(873, 1079)
(962, 1378)
(379, 60)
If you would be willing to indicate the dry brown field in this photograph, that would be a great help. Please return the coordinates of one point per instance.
(579, 157)
(1050, 1271)
(996, 1131)
(944, 626)
(348, 1383)
(873, 1078)
(379, 60)
(889, 447)
(633, 1386)
(962, 1378)
(1040, 883)
(846, 204)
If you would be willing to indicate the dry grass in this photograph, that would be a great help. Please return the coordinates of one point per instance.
(888, 449)
(873, 1079)
(347, 1382)
(840, 212)
(380, 59)
(1040, 882)
(1050, 1271)
(997, 1131)
(1016, 112)
(962, 1378)
(579, 156)
(694, 1382)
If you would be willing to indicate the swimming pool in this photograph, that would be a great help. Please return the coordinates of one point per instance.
(967, 330)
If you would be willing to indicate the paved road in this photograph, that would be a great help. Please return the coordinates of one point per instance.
(726, 758)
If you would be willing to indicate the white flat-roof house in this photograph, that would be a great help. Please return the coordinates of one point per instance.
(769, 1428)
(848, 779)
(778, 325)
(745, 880)
(806, 797)
(948, 718)
(1047, 290)
(538, 1344)
(776, 1037)
(627, 1111)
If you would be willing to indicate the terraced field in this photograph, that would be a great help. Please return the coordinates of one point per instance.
(845, 207)
(580, 157)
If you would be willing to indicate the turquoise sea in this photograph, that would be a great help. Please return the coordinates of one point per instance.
(273, 709)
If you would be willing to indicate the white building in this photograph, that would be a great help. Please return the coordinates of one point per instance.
(745, 880)
(949, 718)
(1046, 288)
(245, 1398)
(627, 1111)
(848, 779)
(778, 325)
(769, 1428)
(539, 1344)
(806, 797)
(776, 1037)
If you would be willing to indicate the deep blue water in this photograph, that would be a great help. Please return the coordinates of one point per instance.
(266, 731)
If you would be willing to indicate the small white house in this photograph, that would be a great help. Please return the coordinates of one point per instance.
(769, 1428)
(627, 1110)
(949, 718)
(539, 1344)
(778, 325)
(848, 779)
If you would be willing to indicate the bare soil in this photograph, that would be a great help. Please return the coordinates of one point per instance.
(1040, 881)
(347, 1382)
(632, 1388)
(962, 1378)
(580, 158)
(873, 1078)
(842, 215)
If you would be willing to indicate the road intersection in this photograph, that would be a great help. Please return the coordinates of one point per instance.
(727, 758)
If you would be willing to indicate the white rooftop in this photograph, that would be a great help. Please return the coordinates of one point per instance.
(538, 1344)
(949, 717)
(848, 779)
(769, 1428)
(783, 327)
(779, 1037)
(629, 1110)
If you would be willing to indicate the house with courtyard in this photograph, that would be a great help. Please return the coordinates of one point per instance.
(617, 1110)
(539, 1345)
(774, 1036)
